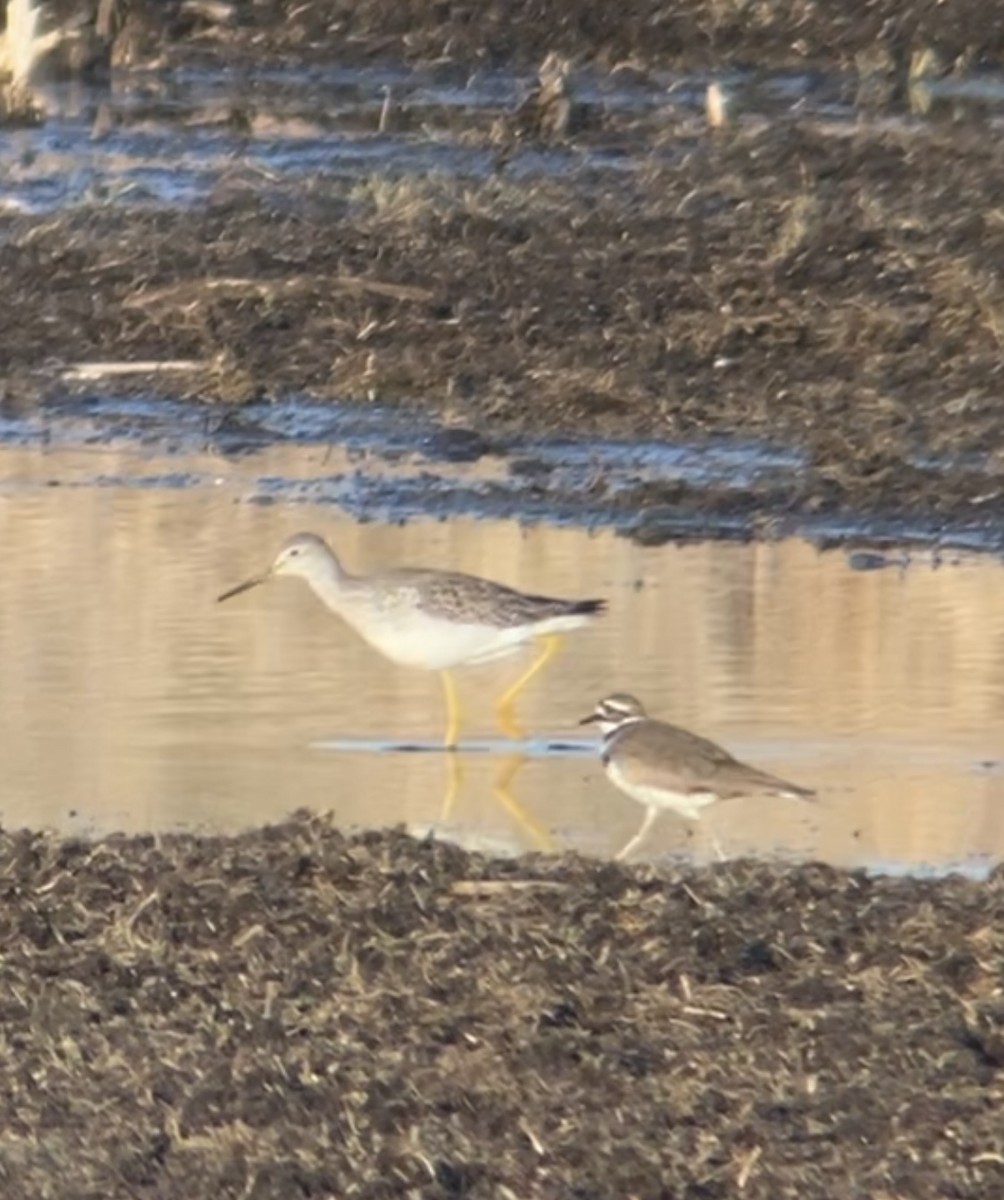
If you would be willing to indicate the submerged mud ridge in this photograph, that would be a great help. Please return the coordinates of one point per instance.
(293, 1012)
(830, 291)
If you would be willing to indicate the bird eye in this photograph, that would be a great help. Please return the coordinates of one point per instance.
(294, 552)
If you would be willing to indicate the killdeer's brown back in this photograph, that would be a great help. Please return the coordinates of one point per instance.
(654, 754)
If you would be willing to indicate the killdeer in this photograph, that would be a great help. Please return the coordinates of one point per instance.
(434, 619)
(664, 767)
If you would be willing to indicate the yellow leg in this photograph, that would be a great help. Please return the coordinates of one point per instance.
(505, 709)
(454, 778)
(452, 710)
(539, 836)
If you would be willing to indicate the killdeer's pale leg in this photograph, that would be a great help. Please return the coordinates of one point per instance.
(651, 815)
(667, 768)
(433, 619)
(646, 826)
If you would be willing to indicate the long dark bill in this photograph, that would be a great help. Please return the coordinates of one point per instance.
(246, 586)
(590, 720)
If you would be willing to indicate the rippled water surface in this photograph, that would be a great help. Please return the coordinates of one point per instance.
(131, 700)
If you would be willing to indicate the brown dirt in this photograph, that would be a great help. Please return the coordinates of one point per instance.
(833, 289)
(649, 32)
(839, 294)
(294, 1013)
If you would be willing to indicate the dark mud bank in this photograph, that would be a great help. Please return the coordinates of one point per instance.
(836, 300)
(398, 463)
(644, 32)
(294, 1012)
(817, 277)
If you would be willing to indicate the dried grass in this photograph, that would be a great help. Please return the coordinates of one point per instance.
(780, 283)
(291, 1012)
(639, 32)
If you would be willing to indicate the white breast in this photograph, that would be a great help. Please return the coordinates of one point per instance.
(414, 639)
(684, 804)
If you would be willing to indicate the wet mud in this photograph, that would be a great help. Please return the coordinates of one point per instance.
(639, 33)
(820, 286)
(294, 1012)
(834, 296)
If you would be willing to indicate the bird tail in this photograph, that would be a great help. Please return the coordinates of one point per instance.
(792, 791)
(587, 608)
(774, 785)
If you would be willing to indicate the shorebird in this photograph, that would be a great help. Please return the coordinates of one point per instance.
(665, 767)
(436, 620)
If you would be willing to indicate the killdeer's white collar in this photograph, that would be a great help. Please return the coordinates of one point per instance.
(614, 712)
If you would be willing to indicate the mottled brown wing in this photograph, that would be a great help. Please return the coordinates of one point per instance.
(655, 754)
(451, 594)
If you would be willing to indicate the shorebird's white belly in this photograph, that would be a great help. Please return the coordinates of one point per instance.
(684, 804)
(413, 638)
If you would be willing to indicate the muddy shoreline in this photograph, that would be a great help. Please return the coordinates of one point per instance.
(581, 258)
(293, 1011)
(643, 33)
(834, 297)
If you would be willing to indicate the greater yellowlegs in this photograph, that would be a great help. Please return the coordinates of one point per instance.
(665, 767)
(434, 619)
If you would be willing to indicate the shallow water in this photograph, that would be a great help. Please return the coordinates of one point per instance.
(176, 138)
(132, 700)
(392, 463)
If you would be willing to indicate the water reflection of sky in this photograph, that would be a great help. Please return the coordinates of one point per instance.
(131, 700)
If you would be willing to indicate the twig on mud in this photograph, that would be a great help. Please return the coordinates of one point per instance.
(85, 371)
(746, 1169)
(189, 291)
(716, 1014)
(695, 899)
(141, 908)
(496, 887)
(538, 1146)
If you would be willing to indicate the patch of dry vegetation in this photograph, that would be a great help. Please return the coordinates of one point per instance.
(292, 1012)
(651, 32)
(796, 282)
